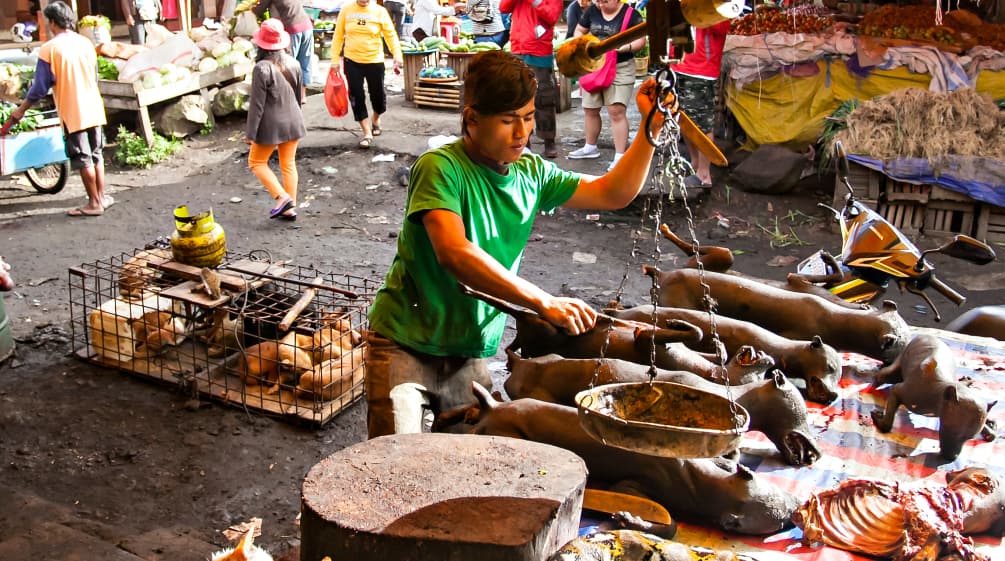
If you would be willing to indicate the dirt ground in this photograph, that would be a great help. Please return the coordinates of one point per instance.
(140, 457)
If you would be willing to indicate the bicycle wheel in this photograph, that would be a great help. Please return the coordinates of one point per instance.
(49, 179)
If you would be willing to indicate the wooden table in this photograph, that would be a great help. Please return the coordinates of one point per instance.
(131, 96)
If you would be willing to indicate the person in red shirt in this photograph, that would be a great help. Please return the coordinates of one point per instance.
(697, 85)
(532, 29)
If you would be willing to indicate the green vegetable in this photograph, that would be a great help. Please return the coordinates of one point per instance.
(133, 150)
(31, 120)
(107, 70)
(834, 123)
(94, 21)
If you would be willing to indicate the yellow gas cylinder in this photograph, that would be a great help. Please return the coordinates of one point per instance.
(706, 13)
(197, 240)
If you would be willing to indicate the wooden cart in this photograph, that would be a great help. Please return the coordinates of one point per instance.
(131, 96)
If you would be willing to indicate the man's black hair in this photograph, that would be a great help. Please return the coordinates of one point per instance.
(60, 14)
(498, 82)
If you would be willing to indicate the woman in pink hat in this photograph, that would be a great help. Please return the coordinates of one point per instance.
(275, 120)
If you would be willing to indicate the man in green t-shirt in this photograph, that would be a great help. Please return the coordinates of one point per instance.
(468, 215)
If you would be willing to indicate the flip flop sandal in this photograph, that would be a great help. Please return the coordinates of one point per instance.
(276, 212)
(365, 142)
(376, 131)
(290, 217)
(84, 212)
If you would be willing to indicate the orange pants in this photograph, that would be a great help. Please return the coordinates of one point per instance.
(258, 161)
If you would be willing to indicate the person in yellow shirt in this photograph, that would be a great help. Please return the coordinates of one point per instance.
(68, 64)
(361, 27)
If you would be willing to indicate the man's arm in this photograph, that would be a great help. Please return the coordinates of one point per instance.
(473, 267)
(547, 11)
(127, 10)
(621, 185)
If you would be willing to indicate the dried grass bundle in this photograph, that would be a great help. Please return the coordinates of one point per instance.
(916, 123)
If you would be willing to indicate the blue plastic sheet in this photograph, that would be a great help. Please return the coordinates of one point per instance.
(981, 179)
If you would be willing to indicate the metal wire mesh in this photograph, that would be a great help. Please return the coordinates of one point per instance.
(132, 313)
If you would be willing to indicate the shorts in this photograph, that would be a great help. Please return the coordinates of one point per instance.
(620, 91)
(697, 99)
(83, 147)
(446, 383)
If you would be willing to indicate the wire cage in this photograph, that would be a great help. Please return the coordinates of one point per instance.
(274, 337)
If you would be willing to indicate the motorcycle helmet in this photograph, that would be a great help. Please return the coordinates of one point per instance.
(21, 32)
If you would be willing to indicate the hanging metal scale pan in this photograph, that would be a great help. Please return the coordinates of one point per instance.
(662, 419)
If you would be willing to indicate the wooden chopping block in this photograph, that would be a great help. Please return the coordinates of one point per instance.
(436, 497)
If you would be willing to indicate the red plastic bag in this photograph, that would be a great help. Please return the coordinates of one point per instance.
(336, 93)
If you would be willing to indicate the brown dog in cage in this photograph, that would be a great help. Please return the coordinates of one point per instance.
(136, 273)
(267, 363)
(332, 378)
(335, 339)
(154, 331)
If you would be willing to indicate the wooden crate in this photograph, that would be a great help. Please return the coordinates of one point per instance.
(911, 207)
(449, 95)
(991, 224)
(868, 184)
(414, 62)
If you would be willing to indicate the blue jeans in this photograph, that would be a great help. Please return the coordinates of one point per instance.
(302, 47)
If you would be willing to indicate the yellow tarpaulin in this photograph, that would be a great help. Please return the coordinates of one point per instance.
(788, 110)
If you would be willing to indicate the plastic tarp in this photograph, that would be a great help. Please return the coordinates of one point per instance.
(982, 179)
(851, 447)
(784, 109)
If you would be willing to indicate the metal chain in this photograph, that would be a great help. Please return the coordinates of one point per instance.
(673, 168)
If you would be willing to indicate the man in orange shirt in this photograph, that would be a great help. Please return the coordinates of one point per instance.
(68, 65)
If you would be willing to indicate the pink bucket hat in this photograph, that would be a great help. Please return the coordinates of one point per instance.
(271, 36)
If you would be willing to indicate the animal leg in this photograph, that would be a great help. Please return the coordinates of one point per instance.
(884, 420)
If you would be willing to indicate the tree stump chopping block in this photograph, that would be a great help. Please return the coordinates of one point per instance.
(442, 497)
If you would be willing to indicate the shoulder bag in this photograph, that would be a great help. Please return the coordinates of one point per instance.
(599, 80)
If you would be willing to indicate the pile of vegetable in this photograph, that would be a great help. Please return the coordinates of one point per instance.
(14, 81)
(225, 54)
(107, 69)
(325, 24)
(430, 44)
(770, 19)
(168, 74)
(916, 23)
(94, 21)
(437, 72)
(31, 120)
(133, 150)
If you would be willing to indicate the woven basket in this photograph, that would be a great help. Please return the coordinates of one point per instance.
(641, 66)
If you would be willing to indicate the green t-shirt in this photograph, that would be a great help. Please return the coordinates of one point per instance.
(420, 306)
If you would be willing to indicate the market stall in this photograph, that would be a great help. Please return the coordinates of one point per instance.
(783, 75)
(790, 75)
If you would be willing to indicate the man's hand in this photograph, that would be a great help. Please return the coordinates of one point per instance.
(129, 19)
(570, 314)
(646, 100)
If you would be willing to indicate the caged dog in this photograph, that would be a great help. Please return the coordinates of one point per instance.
(154, 331)
(268, 361)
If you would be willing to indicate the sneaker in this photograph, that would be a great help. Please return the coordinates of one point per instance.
(585, 153)
(614, 162)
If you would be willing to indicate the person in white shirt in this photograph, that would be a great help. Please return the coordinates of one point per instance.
(424, 23)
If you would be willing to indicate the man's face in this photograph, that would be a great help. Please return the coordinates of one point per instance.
(502, 137)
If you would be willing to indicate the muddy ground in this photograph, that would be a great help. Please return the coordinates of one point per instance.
(139, 456)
